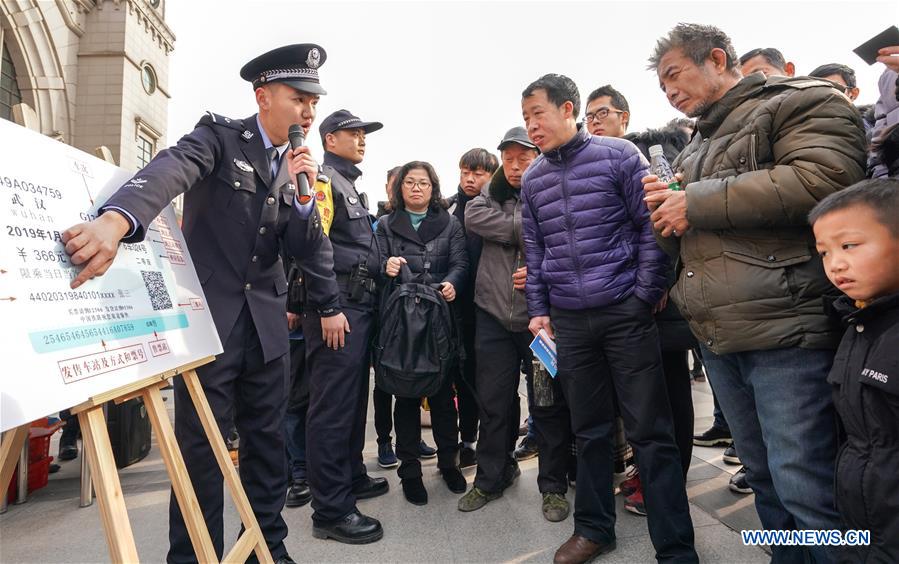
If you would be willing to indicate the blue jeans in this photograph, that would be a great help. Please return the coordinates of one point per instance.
(295, 431)
(782, 419)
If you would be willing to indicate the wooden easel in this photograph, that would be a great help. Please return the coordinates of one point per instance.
(98, 449)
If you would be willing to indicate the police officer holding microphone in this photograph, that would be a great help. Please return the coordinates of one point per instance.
(338, 323)
(239, 177)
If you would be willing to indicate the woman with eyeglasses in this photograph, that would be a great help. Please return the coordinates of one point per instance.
(421, 235)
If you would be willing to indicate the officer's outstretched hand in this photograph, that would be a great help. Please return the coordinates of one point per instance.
(300, 160)
(334, 330)
(95, 244)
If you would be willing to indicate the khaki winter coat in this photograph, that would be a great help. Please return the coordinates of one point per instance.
(762, 157)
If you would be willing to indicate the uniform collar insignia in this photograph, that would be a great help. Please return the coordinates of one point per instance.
(353, 200)
(243, 165)
(247, 135)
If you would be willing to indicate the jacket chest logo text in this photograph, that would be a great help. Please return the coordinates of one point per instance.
(875, 375)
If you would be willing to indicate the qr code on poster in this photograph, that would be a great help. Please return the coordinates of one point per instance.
(159, 294)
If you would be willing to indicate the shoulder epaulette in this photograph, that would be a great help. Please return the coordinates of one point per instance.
(236, 124)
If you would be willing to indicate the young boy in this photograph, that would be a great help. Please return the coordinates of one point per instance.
(857, 233)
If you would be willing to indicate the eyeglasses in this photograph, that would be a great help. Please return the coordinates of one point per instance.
(410, 184)
(600, 114)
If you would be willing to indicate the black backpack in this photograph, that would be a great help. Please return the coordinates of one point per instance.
(417, 341)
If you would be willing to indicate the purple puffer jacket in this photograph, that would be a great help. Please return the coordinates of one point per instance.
(587, 234)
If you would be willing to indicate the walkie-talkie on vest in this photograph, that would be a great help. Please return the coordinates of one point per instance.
(298, 139)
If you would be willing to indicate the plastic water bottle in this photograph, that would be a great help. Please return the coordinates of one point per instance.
(659, 166)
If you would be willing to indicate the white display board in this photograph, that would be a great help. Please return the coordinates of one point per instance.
(58, 346)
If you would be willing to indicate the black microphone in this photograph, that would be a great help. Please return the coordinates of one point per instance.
(298, 139)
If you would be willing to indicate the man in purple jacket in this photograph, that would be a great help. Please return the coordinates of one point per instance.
(595, 270)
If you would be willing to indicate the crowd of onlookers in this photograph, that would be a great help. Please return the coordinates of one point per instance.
(774, 265)
(567, 232)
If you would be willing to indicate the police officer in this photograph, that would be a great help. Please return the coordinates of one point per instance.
(240, 204)
(338, 322)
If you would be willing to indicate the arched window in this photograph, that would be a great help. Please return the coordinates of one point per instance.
(9, 88)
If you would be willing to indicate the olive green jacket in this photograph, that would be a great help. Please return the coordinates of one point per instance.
(762, 156)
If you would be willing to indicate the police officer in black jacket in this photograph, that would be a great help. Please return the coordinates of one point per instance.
(240, 208)
(338, 323)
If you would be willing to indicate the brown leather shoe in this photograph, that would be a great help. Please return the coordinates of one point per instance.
(579, 550)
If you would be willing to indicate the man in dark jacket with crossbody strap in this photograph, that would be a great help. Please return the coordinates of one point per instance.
(595, 270)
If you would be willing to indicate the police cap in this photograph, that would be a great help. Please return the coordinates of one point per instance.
(343, 119)
(293, 65)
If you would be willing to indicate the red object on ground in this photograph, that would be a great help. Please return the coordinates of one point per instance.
(39, 458)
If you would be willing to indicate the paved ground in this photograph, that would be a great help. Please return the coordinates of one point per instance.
(51, 527)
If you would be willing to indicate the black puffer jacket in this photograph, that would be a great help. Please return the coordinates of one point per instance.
(865, 380)
(439, 241)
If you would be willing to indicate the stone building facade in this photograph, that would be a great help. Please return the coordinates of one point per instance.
(89, 73)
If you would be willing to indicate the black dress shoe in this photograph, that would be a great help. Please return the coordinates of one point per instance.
(298, 494)
(355, 528)
(414, 491)
(68, 452)
(286, 559)
(454, 479)
(370, 487)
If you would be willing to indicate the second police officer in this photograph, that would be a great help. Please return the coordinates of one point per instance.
(338, 323)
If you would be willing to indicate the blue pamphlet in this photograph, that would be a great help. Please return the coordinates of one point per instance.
(545, 350)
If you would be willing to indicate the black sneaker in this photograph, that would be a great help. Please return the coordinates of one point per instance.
(426, 451)
(730, 455)
(454, 479)
(713, 437)
(467, 456)
(414, 491)
(738, 482)
(527, 449)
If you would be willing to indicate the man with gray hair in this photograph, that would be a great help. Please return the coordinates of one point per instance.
(751, 284)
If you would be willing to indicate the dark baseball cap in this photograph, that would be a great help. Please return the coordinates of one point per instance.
(516, 135)
(344, 119)
(293, 65)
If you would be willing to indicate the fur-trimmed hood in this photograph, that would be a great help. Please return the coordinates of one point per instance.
(500, 189)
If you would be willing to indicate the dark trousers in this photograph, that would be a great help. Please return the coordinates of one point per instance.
(295, 418)
(407, 421)
(680, 398)
(241, 383)
(617, 348)
(465, 383)
(338, 404)
(501, 354)
(383, 418)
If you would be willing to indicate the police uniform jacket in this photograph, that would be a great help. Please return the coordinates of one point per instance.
(351, 242)
(236, 219)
